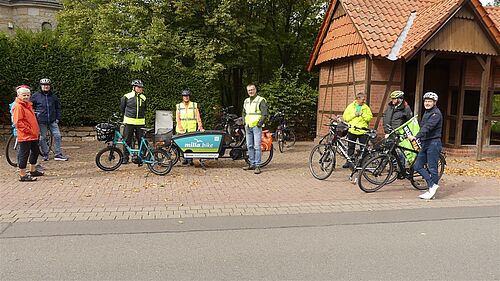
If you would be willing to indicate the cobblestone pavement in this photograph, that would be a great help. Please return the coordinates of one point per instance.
(78, 190)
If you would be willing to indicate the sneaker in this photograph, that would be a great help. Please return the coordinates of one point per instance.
(124, 161)
(27, 178)
(346, 165)
(424, 195)
(60, 157)
(36, 174)
(45, 158)
(431, 193)
(257, 170)
(248, 168)
(185, 162)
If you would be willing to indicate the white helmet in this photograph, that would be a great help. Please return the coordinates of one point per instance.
(431, 96)
(45, 81)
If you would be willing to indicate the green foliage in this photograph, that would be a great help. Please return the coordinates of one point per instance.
(297, 100)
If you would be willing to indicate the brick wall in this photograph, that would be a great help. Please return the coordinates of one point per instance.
(68, 133)
(473, 73)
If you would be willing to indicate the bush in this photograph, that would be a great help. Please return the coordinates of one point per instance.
(298, 101)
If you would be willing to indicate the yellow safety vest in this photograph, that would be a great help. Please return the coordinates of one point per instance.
(252, 111)
(188, 117)
(139, 101)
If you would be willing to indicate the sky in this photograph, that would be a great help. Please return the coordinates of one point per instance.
(484, 2)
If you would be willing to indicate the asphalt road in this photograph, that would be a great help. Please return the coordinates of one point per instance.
(424, 244)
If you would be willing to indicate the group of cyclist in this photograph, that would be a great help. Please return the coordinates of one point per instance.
(188, 120)
(358, 115)
(32, 116)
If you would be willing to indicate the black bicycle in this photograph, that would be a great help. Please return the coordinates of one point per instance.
(388, 165)
(284, 133)
(322, 158)
(12, 146)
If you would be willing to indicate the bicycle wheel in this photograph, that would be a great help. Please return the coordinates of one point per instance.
(281, 140)
(266, 157)
(161, 162)
(419, 182)
(109, 158)
(11, 151)
(49, 139)
(290, 139)
(175, 154)
(375, 173)
(322, 161)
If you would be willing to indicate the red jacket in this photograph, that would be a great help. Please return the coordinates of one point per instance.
(25, 121)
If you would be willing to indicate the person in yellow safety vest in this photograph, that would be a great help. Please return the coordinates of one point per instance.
(187, 116)
(357, 114)
(255, 114)
(133, 108)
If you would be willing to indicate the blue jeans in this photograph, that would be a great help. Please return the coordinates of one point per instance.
(56, 134)
(429, 154)
(254, 140)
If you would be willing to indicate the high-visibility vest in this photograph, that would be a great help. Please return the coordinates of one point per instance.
(252, 111)
(138, 119)
(188, 117)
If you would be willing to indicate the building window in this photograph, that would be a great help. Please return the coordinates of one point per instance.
(46, 25)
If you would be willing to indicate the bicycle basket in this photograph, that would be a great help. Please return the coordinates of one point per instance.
(342, 129)
(163, 136)
(105, 132)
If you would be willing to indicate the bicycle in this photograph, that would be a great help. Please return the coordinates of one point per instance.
(324, 154)
(12, 145)
(284, 134)
(387, 166)
(110, 158)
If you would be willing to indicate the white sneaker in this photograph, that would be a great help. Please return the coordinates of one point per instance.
(424, 195)
(431, 193)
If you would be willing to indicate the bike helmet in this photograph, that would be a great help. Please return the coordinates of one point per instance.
(137, 83)
(431, 96)
(397, 95)
(45, 81)
(186, 93)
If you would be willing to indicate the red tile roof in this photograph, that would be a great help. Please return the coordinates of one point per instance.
(342, 40)
(494, 14)
(380, 22)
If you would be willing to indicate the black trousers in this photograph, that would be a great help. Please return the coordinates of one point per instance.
(128, 133)
(27, 149)
(351, 146)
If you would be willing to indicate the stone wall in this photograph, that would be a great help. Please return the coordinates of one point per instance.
(14, 14)
(68, 133)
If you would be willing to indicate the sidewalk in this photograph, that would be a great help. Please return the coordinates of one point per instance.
(78, 190)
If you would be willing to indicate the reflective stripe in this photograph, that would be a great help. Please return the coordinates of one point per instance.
(252, 111)
(188, 117)
(134, 121)
(139, 99)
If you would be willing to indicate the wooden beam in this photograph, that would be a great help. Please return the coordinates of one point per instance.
(483, 101)
(386, 95)
(419, 88)
(368, 79)
(460, 104)
(429, 57)
(481, 61)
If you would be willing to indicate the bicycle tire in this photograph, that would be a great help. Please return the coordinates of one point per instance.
(281, 141)
(175, 154)
(266, 154)
(49, 140)
(418, 182)
(11, 151)
(162, 163)
(326, 160)
(291, 138)
(375, 167)
(112, 150)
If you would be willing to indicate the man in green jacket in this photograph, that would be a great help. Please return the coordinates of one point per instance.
(357, 114)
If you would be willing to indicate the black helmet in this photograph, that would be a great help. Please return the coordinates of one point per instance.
(137, 83)
(45, 81)
(186, 93)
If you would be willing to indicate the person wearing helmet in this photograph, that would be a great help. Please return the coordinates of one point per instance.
(48, 113)
(187, 117)
(431, 127)
(397, 112)
(133, 109)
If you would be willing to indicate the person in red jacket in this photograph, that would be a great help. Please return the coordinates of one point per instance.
(27, 134)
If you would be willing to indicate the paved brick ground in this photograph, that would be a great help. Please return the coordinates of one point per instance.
(78, 190)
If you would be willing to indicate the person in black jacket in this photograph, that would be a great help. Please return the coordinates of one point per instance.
(133, 109)
(397, 112)
(48, 113)
(431, 127)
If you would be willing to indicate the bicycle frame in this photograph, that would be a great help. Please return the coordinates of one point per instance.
(143, 147)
